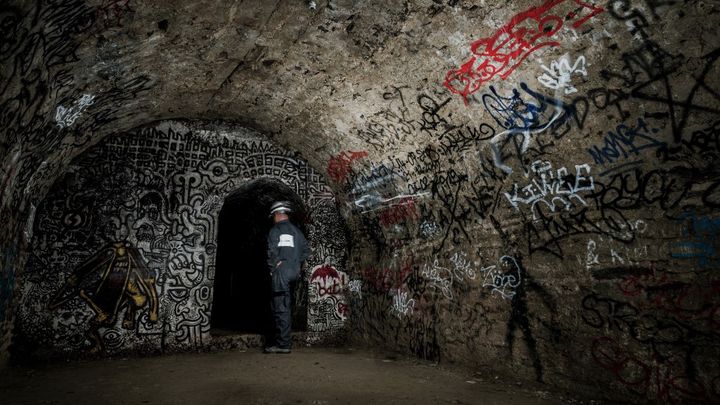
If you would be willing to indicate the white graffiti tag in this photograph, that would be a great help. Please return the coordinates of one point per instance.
(554, 188)
(558, 75)
(429, 229)
(462, 268)
(435, 274)
(67, 116)
(592, 257)
(355, 287)
(503, 279)
(402, 306)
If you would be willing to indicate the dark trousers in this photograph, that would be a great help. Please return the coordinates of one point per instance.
(282, 313)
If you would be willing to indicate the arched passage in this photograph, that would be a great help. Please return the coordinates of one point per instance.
(241, 300)
(158, 193)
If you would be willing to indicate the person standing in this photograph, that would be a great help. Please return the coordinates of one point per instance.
(286, 250)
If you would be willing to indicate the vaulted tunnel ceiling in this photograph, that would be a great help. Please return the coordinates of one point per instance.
(528, 185)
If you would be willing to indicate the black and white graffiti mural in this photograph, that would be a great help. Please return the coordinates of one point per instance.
(123, 256)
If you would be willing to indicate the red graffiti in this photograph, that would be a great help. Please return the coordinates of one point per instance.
(328, 281)
(343, 309)
(339, 166)
(328, 289)
(635, 285)
(324, 272)
(383, 280)
(502, 53)
(398, 213)
(661, 376)
(657, 292)
(628, 369)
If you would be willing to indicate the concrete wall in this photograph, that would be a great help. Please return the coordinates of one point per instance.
(155, 196)
(529, 185)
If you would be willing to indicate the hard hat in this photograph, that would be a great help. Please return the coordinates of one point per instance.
(280, 206)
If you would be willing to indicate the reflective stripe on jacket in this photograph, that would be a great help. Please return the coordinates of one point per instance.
(288, 247)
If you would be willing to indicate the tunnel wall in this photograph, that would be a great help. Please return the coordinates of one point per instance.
(539, 208)
(567, 231)
(157, 194)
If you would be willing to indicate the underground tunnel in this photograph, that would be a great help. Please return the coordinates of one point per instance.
(522, 191)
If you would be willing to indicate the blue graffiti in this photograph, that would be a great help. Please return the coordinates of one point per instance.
(518, 115)
(703, 240)
(524, 115)
(625, 142)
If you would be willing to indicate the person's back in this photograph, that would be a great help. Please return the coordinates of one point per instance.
(287, 248)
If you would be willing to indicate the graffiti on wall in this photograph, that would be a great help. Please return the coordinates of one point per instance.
(559, 75)
(565, 166)
(65, 117)
(700, 240)
(113, 280)
(502, 279)
(339, 166)
(499, 55)
(124, 244)
(327, 305)
(664, 319)
(402, 305)
(645, 118)
(556, 189)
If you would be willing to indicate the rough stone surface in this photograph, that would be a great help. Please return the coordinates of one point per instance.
(529, 186)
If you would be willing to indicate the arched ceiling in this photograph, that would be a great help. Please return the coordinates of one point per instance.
(525, 173)
(306, 77)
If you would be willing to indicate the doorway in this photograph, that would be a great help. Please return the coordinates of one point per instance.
(242, 295)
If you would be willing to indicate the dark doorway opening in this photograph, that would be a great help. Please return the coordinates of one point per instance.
(241, 298)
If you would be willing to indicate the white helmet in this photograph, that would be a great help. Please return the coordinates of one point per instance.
(280, 206)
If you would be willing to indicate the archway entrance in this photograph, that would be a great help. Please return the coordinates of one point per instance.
(241, 302)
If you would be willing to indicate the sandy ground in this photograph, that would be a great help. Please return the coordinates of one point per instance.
(307, 376)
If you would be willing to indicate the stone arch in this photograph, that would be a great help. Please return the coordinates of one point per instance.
(240, 294)
(160, 192)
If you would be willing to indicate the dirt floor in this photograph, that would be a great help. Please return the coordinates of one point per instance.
(307, 376)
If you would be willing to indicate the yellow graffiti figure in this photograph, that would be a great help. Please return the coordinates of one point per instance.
(113, 279)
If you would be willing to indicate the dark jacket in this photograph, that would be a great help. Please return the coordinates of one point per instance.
(287, 246)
